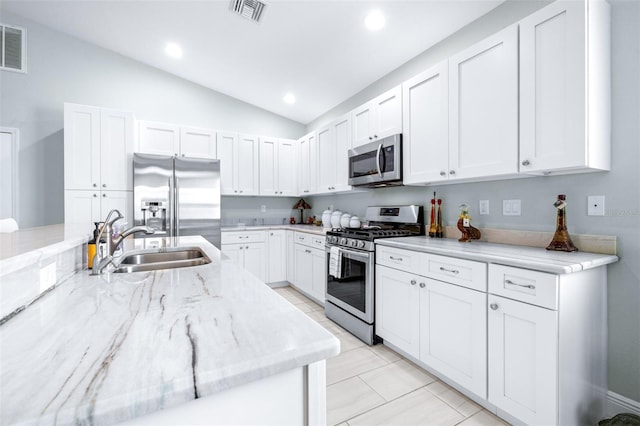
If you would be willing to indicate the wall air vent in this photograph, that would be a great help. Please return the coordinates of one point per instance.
(250, 9)
(13, 55)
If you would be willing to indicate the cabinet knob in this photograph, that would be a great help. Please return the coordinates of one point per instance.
(526, 163)
(104, 195)
(104, 185)
(241, 191)
(183, 155)
(443, 173)
(280, 192)
(241, 247)
(375, 136)
(95, 185)
(494, 306)
(95, 195)
(370, 138)
(276, 192)
(422, 285)
(414, 282)
(246, 247)
(452, 172)
(235, 191)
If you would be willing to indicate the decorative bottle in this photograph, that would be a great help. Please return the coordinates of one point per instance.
(432, 223)
(561, 239)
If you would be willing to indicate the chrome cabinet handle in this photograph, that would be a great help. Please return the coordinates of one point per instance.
(414, 282)
(494, 306)
(531, 286)
(452, 172)
(443, 173)
(526, 163)
(396, 258)
(422, 285)
(453, 271)
(242, 237)
(307, 251)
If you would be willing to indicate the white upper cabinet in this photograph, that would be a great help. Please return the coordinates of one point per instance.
(307, 164)
(278, 167)
(483, 108)
(565, 88)
(378, 118)
(425, 136)
(98, 148)
(169, 139)
(198, 143)
(334, 142)
(239, 163)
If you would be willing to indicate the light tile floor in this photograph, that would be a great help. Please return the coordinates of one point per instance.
(373, 385)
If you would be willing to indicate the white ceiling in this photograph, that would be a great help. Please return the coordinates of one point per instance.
(318, 50)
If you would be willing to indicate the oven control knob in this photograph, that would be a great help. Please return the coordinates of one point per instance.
(343, 241)
(334, 239)
(353, 243)
(361, 244)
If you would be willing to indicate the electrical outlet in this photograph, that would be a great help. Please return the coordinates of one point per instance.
(47, 277)
(263, 208)
(595, 205)
(484, 207)
(511, 207)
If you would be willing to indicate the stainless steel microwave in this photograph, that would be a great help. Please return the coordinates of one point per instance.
(377, 164)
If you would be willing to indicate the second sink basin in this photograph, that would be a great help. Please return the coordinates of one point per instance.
(154, 259)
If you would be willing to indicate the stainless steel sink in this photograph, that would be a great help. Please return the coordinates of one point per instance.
(167, 258)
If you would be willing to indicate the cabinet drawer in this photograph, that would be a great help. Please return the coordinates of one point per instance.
(236, 237)
(315, 241)
(404, 260)
(466, 273)
(536, 288)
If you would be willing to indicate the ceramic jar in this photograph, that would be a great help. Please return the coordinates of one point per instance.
(335, 219)
(326, 218)
(354, 222)
(344, 220)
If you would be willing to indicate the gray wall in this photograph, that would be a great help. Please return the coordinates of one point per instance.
(64, 69)
(621, 186)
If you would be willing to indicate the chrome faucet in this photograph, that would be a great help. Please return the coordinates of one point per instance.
(103, 259)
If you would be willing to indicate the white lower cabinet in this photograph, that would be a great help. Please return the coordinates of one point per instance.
(310, 265)
(277, 256)
(248, 249)
(441, 324)
(291, 256)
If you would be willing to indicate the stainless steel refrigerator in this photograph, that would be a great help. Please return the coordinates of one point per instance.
(177, 196)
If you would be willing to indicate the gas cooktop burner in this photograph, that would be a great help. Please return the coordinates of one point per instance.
(370, 233)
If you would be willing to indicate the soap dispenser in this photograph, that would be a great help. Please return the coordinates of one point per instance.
(92, 245)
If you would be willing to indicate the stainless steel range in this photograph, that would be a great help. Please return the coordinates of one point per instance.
(351, 265)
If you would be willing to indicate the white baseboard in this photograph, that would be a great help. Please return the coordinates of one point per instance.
(619, 404)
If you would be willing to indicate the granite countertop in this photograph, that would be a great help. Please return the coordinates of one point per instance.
(311, 229)
(534, 258)
(104, 349)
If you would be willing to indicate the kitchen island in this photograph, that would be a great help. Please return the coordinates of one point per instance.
(199, 343)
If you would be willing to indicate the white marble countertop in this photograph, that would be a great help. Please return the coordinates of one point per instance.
(311, 229)
(104, 349)
(534, 258)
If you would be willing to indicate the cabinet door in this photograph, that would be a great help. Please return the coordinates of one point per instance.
(397, 309)
(291, 257)
(248, 165)
(319, 278)
(255, 260)
(81, 147)
(198, 143)
(425, 123)
(121, 200)
(342, 136)
(269, 166)
(277, 256)
(387, 117)
(303, 165)
(228, 152)
(82, 207)
(523, 360)
(362, 123)
(453, 333)
(158, 138)
(552, 88)
(326, 160)
(287, 170)
(304, 268)
(313, 163)
(234, 252)
(483, 108)
(116, 150)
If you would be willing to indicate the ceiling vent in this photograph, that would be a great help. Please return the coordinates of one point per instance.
(250, 9)
(12, 48)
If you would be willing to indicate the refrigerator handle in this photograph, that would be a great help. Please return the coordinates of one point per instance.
(175, 209)
(171, 209)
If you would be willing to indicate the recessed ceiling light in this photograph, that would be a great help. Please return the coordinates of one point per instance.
(289, 98)
(375, 20)
(174, 50)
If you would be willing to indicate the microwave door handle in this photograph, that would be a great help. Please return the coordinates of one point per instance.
(378, 160)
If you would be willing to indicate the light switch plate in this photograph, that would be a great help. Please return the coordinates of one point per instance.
(595, 205)
(511, 207)
(484, 206)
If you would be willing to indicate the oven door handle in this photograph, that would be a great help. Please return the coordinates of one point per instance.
(378, 160)
(349, 254)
